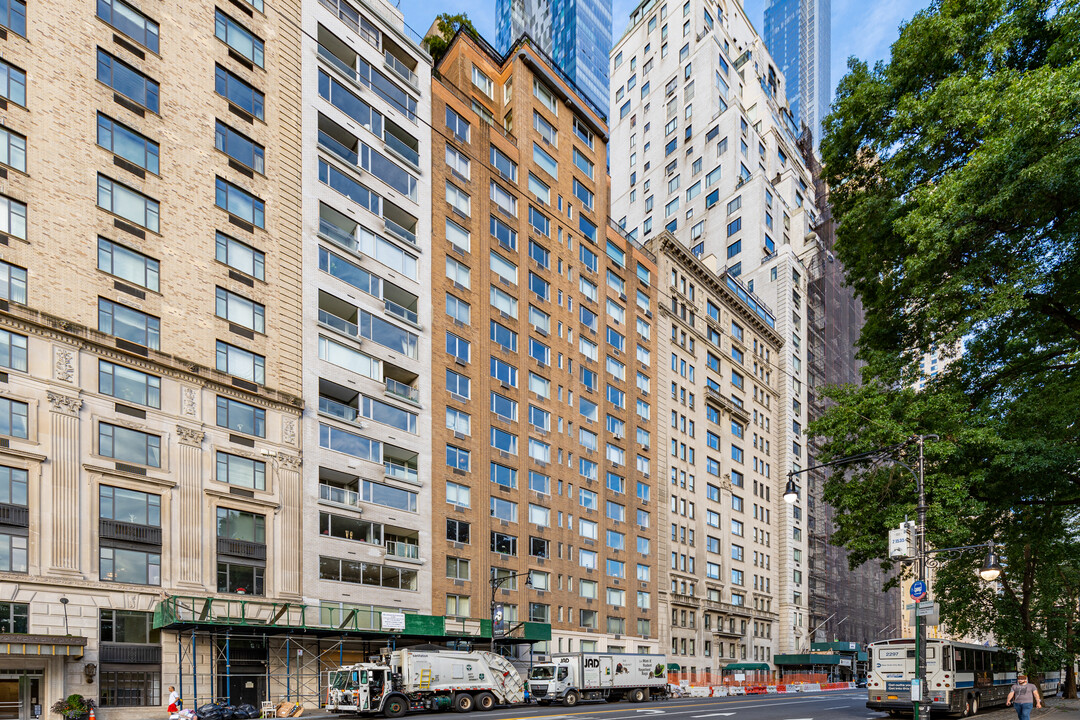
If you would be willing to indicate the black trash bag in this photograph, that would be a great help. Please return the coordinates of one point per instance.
(209, 712)
(228, 712)
(246, 712)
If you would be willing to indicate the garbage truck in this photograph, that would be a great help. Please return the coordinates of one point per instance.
(575, 677)
(429, 680)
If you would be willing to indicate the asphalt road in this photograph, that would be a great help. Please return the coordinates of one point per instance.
(835, 705)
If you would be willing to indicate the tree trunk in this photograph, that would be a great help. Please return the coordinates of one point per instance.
(1070, 649)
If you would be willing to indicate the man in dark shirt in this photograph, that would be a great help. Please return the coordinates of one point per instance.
(1024, 695)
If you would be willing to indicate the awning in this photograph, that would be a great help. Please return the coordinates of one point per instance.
(42, 645)
(743, 667)
(674, 667)
(807, 659)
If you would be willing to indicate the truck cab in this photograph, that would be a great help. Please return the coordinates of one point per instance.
(359, 689)
(548, 681)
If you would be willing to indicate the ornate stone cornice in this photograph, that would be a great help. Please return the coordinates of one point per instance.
(65, 404)
(189, 436)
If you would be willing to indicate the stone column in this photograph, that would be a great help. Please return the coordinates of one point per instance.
(189, 539)
(66, 504)
(291, 525)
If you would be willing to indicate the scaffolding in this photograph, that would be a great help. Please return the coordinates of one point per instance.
(252, 651)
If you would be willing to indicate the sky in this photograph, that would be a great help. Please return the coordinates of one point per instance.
(863, 28)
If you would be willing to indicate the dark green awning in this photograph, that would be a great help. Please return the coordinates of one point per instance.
(747, 666)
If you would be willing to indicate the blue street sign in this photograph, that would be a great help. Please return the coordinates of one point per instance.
(918, 590)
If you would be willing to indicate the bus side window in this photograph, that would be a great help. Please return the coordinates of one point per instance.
(946, 660)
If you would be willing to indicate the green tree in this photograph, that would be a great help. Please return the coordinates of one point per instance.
(443, 30)
(954, 174)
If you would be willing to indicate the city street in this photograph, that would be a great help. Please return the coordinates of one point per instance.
(836, 705)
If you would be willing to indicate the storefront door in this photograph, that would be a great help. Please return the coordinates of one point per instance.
(20, 695)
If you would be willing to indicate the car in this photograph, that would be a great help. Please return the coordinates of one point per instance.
(860, 683)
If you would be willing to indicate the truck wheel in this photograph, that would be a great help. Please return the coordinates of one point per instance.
(637, 695)
(571, 698)
(485, 701)
(395, 707)
(463, 702)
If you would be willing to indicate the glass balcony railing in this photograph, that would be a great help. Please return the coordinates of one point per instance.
(339, 324)
(340, 64)
(402, 149)
(401, 472)
(338, 148)
(338, 409)
(397, 231)
(402, 312)
(338, 235)
(339, 495)
(401, 69)
(402, 390)
(402, 550)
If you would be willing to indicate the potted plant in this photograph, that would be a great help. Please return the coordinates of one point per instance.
(73, 707)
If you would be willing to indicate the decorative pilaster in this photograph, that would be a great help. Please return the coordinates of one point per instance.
(65, 501)
(291, 522)
(189, 488)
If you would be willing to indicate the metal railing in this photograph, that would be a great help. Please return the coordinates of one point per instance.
(398, 146)
(402, 390)
(398, 231)
(338, 235)
(401, 549)
(17, 515)
(401, 472)
(129, 532)
(338, 148)
(338, 409)
(338, 323)
(402, 70)
(402, 312)
(241, 548)
(341, 496)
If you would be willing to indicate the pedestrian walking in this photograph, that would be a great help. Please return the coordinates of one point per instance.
(1025, 696)
(174, 701)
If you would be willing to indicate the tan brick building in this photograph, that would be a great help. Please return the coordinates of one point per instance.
(718, 413)
(149, 399)
(543, 341)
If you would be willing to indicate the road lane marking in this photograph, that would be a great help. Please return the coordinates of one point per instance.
(714, 715)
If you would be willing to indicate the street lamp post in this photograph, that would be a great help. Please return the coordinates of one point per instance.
(496, 583)
(989, 571)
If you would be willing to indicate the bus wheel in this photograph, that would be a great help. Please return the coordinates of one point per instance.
(975, 705)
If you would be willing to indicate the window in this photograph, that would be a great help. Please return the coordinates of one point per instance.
(14, 486)
(128, 384)
(458, 163)
(583, 163)
(13, 17)
(249, 366)
(13, 84)
(239, 310)
(458, 385)
(501, 542)
(457, 236)
(237, 37)
(545, 161)
(240, 256)
(504, 441)
(457, 458)
(583, 194)
(239, 202)
(457, 531)
(546, 97)
(14, 418)
(458, 309)
(457, 125)
(127, 264)
(12, 283)
(126, 445)
(129, 21)
(458, 273)
(546, 130)
(504, 302)
(241, 417)
(238, 92)
(506, 167)
(457, 346)
(118, 199)
(13, 148)
(457, 494)
(503, 199)
(457, 568)
(483, 82)
(239, 147)
(539, 222)
(129, 324)
(126, 566)
(118, 75)
(129, 506)
(241, 471)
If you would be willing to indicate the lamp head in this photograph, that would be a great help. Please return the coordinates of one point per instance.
(528, 580)
(991, 568)
(791, 491)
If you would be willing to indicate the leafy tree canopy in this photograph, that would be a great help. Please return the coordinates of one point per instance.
(954, 174)
(442, 32)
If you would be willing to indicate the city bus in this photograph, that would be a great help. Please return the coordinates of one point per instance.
(961, 678)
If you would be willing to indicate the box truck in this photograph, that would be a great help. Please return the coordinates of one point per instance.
(424, 680)
(598, 676)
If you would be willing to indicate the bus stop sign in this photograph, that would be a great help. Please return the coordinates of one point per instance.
(918, 590)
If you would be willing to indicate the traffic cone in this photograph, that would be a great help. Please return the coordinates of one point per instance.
(92, 716)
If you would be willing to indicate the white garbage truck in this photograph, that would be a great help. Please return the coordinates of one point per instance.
(571, 678)
(407, 680)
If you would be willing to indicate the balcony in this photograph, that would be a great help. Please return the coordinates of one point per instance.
(339, 324)
(399, 232)
(129, 532)
(402, 70)
(401, 146)
(241, 548)
(339, 495)
(340, 410)
(405, 314)
(403, 550)
(342, 237)
(690, 600)
(336, 146)
(402, 472)
(130, 653)
(14, 515)
(403, 391)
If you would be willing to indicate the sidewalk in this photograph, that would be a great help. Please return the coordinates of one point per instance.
(1054, 708)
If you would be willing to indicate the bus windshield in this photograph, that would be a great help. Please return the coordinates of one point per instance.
(542, 672)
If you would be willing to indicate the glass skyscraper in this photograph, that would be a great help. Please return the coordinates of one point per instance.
(798, 35)
(576, 34)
